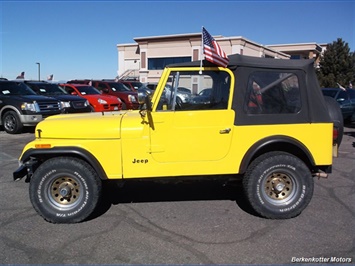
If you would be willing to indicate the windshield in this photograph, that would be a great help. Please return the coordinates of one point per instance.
(116, 86)
(88, 90)
(183, 90)
(136, 85)
(50, 89)
(15, 88)
(205, 92)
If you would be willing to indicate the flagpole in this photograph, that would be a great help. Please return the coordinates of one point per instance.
(201, 52)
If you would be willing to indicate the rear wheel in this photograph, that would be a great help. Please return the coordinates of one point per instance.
(278, 185)
(65, 190)
(12, 123)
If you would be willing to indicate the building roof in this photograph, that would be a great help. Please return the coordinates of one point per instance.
(168, 37)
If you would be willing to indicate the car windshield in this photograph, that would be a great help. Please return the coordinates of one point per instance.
(50, 89)
(184, 90)
(136, 85)
(88, 90)
(15, 88)
(205, 92)
(116, 86)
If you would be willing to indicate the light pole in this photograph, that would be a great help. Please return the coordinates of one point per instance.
(39, 71)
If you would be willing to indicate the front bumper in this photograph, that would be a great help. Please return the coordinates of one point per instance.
(30, 120)
(25, 169)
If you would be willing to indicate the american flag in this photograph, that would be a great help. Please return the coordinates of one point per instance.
(21, 76)
(212, 50)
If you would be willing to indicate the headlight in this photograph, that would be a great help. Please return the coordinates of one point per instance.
(132, 99)
(101, 101)
(86, 103)
(33, 107)
(65, 104)
(119, 100)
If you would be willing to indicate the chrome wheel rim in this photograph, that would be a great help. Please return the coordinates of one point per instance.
(65, 192)
(279, 188)
(9, 123)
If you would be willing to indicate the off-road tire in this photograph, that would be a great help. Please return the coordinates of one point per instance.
(65, 190)
(278, 185)
(12, 123)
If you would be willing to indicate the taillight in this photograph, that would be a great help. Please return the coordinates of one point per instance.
(335, 135)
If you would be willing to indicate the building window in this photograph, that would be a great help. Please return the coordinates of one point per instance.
(143, 60)
(195, 54)
(160, 63)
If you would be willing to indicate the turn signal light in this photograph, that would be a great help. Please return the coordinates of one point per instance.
(43, 146)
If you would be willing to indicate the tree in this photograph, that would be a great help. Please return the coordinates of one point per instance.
(337, 65)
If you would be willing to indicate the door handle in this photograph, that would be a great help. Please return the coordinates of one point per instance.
(225, 131)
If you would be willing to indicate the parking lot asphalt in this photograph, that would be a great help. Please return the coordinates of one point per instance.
(191, 222)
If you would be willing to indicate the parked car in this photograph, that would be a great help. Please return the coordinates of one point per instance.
(346, 100)
(128, 97)
(182, 95)
(203, 96)
(20, 106)
(70, 103)
(98, 101)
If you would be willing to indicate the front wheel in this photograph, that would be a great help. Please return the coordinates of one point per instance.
(12, 123)
(65, 190)
(278, 185)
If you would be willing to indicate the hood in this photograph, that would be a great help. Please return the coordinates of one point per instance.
(106, 97)
(67, 97)
(31, 98)
(94, 125)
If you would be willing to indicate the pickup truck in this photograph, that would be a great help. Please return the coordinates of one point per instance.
(265, 122)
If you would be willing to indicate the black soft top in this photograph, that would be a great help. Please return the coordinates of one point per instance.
(236, 60)
(314, 109)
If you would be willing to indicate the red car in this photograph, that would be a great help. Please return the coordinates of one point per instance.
(98, 101)
(128, 97)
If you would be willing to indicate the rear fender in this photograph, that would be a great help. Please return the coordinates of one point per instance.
(279, 143)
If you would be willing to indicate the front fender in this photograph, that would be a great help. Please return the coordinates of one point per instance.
(32, 158)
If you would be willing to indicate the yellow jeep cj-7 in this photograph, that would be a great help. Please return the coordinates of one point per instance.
(259, 119)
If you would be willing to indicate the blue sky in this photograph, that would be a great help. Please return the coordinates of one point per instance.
(77, 39)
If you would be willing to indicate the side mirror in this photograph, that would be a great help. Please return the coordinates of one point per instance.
(141, 96)
(144, 98)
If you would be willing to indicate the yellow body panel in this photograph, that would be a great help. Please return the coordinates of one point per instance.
(107, 152)
(134, 157)
(242, 139)
(94, 125)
